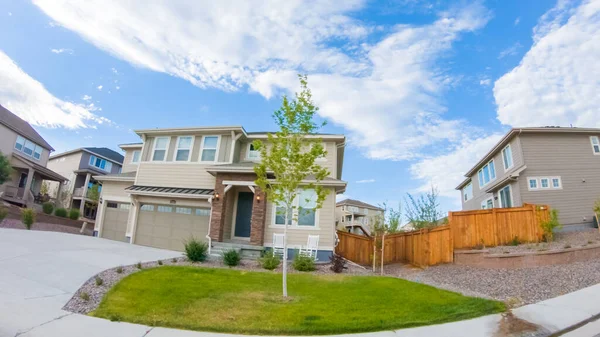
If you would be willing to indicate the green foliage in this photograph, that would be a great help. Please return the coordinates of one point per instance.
(550, 225)
(138, 265)
(3, 213)
(232, 258)
(73, 214)
(5, 169)
(119, 269)
(61, 212)
(195, 250)
(174, 260)
(515, 241)
(338, 263)
(597, 208)
(44, 189)
(93, 194)
(99, 281)
(303, 263)
(423, 212)
(390, 222)
(269, 260)
(160, 263)
(84, 296)
(48, 207)
(27, 217)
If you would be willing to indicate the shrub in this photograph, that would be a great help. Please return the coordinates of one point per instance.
(61, 212)
(27, 217)
(269, 260)
(515, 241)
(195, 250)
(73, 214)
(174, 260)
(160, 263)
(3, 213)
(303, 263)
(232, 258)
(48, 207)
(550, 225)
(338, 263)
(567, 246)
(119, 269)
(99, 281)
(138, 265)
(84, 296)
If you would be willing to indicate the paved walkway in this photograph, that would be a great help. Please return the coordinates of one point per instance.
(40, 271)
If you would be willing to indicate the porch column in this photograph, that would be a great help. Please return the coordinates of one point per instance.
(217, 218)
(58, 190)
(84, 195)
(257, 221)
(28, 186)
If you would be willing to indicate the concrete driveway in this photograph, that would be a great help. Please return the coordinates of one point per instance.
(40, 271)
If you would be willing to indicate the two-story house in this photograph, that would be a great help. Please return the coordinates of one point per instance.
(557, 166)
(183, 182)
(356, 216)
(28, 153)
(80, 166)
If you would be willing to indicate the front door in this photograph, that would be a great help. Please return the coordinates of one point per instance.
(505, 197)
(243, 214)
(23, 180)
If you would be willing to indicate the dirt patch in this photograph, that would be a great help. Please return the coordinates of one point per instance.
(48, 227)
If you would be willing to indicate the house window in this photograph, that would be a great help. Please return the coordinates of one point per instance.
(544, 183)
(28, 147)
(202, 211)
(100, 163)
(20, 142)
(160, 148)
(148, 208)
(507, 157)
(505, 197)
(135, 157)
(37, 152)
(112, 205)
(487, 173)
(595, 144)
(165, 209)
(183, 210)
(307, 208)
(555, 182)
(184, 148)
(124, 206)
(280, 215)
(468, 192)
(209, 148)
(487, 204)
(533, 184)
(252, 153)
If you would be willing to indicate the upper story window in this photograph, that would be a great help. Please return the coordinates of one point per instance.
(160, 148)
(486, 174)
(28, 148)
(184, 148)
(252, 153)
(468, 192)
(100, 163)
(209, 148)
(543, 183)
(507, 157)
(595, 144)
(135, 156)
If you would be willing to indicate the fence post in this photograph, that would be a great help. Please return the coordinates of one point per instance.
(495, 226)
(451, 227)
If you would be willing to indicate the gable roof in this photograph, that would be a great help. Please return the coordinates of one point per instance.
(20, 126)
(358, 203)
(106, 152)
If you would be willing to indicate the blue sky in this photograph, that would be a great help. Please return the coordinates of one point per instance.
(422, 89)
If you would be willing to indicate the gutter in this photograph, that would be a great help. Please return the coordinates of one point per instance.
(209, 221)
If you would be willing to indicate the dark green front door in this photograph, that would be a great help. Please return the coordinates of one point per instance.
(243, 214)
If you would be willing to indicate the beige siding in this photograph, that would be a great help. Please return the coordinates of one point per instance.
(228, 226)
(224, 149)
(369, 218)
(569, 156)
(191, 175)
(8, 138)
(298, 237)
(147, 149)
(128, 166)
(114, 189)
(64, 165)
(115, 223)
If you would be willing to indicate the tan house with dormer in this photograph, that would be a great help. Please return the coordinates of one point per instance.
(356, 216)
(183, 182)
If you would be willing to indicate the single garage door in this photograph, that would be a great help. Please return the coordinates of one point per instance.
(168, 227)
(114, 224)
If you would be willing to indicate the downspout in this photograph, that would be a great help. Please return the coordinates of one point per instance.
(209, 222)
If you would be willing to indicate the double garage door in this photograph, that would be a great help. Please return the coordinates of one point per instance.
(115, 221)
(168, 227)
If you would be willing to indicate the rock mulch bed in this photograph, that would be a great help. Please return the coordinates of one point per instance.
(41, 226)
(561, 241)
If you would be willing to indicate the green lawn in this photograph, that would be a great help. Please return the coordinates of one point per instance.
(222, 300)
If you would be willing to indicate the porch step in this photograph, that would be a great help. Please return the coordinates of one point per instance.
(247, 251)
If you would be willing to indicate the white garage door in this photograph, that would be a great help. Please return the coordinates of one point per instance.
(168, 227)
(114, 224)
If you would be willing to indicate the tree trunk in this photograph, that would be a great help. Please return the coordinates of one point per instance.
(285, 254)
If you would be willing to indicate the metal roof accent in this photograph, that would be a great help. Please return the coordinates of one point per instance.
(171, 190)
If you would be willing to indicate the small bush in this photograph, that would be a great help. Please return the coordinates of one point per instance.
(515, 241)
(73, 214)
(590, 242)
(160, 263)
(3, 213)
(303, 263)
(27, 217)
(550, 225)
(269, 260)
(196, 250)
(138, 265)
(567, 246)
(84, 296)
(48, 207)
(119, 270)
(174, 260)
(232, 258)
(99, 281)
(338, 263)
(61, 212)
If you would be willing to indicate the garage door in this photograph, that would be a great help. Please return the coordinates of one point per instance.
(114, 224)
(168, 227)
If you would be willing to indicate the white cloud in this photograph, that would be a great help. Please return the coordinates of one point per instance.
(62, 50)
(517, 21)
(9, 13)
(117, 87)
(556, 82)
(340, 197)
(86, 97)
(114, 71)
(28, 98)
(365, 181)
(510, 51)
(485, 82)
(99, 87)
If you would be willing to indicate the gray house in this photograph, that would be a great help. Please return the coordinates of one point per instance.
(79, 166)
(548, 165)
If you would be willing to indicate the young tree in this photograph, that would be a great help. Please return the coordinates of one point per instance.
(5, 169)
(93, 194)
(392, 217)
(289, 157)
(424, 211)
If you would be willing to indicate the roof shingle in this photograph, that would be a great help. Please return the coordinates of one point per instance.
(20, 126)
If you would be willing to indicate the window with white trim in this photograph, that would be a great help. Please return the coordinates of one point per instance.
(135, 156)
(183, 210)
(165, 209)
(184, 148)
(507, 158)
(486, 174)
(544, 183)
(124, 206)
(280, 215)
(307, 208)
(556, 183)
(209, 148)
(487, 204)
(28, 148)
(160, 148)
(202, 211)
(533, 183)
(252, 153)
(100, 163)
(468, 192)
(148, 208)
(595, 144)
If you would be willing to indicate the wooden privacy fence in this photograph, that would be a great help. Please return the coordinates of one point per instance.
(467, 229)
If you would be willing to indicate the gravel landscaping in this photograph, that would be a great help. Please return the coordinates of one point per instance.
(561, 241)
(41, 226)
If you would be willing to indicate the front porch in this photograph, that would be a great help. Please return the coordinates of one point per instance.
(82, 197)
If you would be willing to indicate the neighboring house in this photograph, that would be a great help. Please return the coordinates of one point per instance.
(28, 154)
(199, 182)
(548, 165)
(357, 216)
(80, 166)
